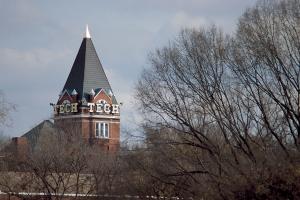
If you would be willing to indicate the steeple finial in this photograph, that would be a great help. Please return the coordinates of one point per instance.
(87, 32)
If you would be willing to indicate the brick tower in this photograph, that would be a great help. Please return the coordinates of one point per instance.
(87, 104)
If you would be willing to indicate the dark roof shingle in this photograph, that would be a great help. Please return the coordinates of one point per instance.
(87, 72)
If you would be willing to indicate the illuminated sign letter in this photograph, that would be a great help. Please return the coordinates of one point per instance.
(61, 108)
(74, 107)
(91, 105)
(67, 108)
(115, 109)
(99, 107)
(55, 109)
(107, 108)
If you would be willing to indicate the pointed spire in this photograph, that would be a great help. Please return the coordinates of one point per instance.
(87, 32)
(92, 92)
(110, 93)
(87, 72)
(74, 92)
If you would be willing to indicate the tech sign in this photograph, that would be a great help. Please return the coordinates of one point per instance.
(101, 108)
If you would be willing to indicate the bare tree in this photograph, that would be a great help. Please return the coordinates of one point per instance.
(230, 105)
(222, 121)
(63, 164)
(266, 59)
(5, 110)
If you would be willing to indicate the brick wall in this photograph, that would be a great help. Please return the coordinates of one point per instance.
(86, 125)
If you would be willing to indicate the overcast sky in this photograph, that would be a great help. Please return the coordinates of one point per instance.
(40, 39)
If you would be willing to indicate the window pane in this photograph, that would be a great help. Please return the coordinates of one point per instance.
(97, 129)
(106, 130)
(102, 130)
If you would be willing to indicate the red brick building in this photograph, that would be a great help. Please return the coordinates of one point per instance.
(86, 104)
(87, 101)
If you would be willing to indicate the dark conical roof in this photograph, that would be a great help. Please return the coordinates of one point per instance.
(87, 72)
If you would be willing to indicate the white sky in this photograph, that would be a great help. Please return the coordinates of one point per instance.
(40, 39)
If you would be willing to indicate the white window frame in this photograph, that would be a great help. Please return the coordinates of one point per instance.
(102, 129)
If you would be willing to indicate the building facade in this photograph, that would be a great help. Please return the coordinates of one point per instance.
(87, 104)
